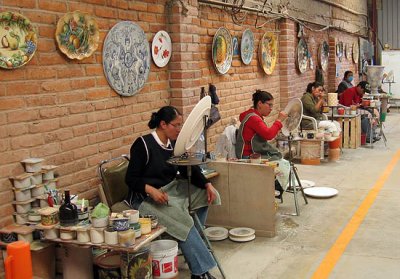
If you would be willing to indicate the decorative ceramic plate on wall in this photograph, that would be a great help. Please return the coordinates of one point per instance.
(77, 35)
(348, 51)
(222, 50)
(339, 50)
(268, 52)
(323, 56)
(18, 40)
(302, 55)
(247, 46)
(355, 52)
(161, 48)
(126, 58)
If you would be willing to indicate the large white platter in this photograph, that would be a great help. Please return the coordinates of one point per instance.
(294, 110)
(321, 192)
(193, 126)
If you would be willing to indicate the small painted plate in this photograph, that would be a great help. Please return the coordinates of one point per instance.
(323, 56)
(77, 35)
(222, 50)
(242, 239)
(161, 48)
(126, 58)
(241, 232)
(216, 233)
(321, 192)
(18, 40)
(355, 52)
(339, 50)
(348, 51)
(302, 56)
(247, 46)
(268, 52)
(235, 46)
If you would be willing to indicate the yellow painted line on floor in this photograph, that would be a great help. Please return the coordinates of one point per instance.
(336, 251)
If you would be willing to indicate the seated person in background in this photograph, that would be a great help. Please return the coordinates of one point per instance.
(313, 100)
(254, 133)
(154, 189)
(353, 96)
(345, 83)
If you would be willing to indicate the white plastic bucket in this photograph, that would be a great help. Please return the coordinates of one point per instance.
(165, 258)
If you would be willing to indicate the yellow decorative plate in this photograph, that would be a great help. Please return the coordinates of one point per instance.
(355, 52)
(222, 50)
(268, 52)
(77, 35)
(18, 40)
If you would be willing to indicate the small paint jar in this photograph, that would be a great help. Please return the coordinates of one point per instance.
(83, 235)
(67, 234)
(137, 228)
(126, 238)
(145, 224)
(110, 236)
(51, 233)
(97, 235)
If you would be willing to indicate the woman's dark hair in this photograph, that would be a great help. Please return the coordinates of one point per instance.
(312, 85)
(347, 73)
(262, 96)
(167, 114)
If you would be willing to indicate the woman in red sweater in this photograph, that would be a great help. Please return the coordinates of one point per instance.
(254, 124)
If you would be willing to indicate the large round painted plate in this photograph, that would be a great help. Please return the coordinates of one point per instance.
(294, 110)
(321, 192)
(126, 58)
(77, 35)
(241, 232)
(18, 40)
(355, 52)
(216, 233)
(247, 46)
(161, 48)
(193, 126)
(222, 50)
(268, 52)
(348, 51)
(323, 56)
(302, 56)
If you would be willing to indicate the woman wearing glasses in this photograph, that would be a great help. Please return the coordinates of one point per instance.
(254, 133)
(154, 189)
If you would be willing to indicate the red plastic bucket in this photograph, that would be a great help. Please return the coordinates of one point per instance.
(363, 139)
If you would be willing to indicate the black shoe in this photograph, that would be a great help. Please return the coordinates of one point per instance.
(206, 275)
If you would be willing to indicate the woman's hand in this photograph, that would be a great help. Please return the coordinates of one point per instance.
(211, 193)
(156, 194)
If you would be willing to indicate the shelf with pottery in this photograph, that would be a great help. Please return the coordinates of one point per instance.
(247, 193)
(139, 242)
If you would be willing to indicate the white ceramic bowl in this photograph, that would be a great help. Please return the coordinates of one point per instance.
(97, 235)
(51, 233)
(33, 164)
(132, 214)
(22, 181)
(23, 195)
(36, 178)
(23, 208)
(21, 219)
(37, 191)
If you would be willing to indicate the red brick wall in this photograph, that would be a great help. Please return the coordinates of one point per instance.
(64, 110)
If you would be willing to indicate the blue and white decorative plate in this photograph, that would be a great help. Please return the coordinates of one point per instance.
(222, 50)
(247, 46)
(126, 58)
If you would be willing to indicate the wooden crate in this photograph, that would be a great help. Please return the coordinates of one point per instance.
(351, 131)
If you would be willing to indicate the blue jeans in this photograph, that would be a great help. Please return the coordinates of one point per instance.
(193, 248)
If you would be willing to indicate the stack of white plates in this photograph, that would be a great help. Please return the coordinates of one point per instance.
(242, 234)
(321, 192)
(216, 233)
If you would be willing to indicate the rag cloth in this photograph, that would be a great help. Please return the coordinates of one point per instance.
(175, 215)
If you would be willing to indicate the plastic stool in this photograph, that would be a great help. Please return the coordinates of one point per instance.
(18, 263)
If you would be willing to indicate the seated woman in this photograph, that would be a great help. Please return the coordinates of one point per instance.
(313, 100)
(154, 189)
(254, 133)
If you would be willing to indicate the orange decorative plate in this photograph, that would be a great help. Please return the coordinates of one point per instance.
(268, 52)
(77, 35)
(18, 40)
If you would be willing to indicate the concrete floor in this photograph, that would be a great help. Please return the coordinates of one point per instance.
(302, 242)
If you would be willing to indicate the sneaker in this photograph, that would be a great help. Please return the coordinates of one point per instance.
(206, 275)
